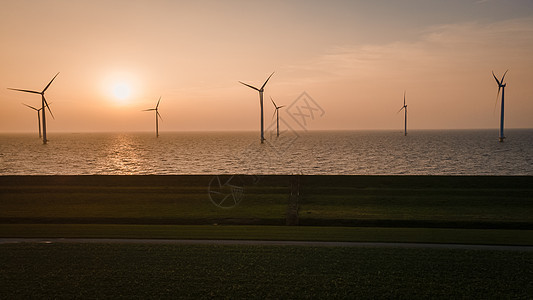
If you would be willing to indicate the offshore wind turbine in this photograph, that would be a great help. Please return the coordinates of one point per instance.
(157, 116)
(404, 107)
(261, 90)
(276, 112)
(501, 86)
(38, 117)
(43, 105)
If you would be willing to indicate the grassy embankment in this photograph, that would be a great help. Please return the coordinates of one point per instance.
(493, 210)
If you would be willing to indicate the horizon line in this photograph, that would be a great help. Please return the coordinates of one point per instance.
(250, 131)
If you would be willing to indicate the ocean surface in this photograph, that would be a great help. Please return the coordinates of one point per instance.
(423, 152)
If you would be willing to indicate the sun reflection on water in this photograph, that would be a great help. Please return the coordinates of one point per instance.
(122, 156)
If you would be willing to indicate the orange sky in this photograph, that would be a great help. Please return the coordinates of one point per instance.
(354, 58)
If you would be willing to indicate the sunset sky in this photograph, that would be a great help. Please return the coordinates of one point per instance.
(354, 58)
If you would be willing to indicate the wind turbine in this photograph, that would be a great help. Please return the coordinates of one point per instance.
(157, 116)
(277, 115)
(43, 105)
(501, 86)
(405, 118)
(38, 117)
(261, 90)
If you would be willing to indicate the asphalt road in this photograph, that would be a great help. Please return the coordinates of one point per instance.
(260, 242)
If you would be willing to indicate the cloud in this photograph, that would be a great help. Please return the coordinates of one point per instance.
(445, 47)
(449, 64)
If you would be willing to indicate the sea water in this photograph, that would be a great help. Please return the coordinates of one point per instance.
(422, 152)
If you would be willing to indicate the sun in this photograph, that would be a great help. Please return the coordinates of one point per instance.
(120, 87)
(121, 91)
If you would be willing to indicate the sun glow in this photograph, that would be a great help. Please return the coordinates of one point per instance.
(121, 91)
(121, 88)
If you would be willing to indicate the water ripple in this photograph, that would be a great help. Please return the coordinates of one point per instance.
(467, 152)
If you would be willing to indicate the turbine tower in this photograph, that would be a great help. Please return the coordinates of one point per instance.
(276, 112)
(43, 105)
(261, 90)
(404, 107)
(501, 86)
(38, 117)
(157, 116)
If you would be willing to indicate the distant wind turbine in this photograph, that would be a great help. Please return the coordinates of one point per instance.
(276, 112)
(501, 86)
(157, 116)
(38, 117)
(43, 105)
(261, 90)
(404, 107)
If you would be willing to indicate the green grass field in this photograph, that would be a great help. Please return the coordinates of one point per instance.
(259, 272)
(429, 209)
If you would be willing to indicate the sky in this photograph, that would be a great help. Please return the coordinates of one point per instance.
(354, 59)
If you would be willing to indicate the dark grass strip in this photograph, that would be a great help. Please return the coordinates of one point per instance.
(275, 272)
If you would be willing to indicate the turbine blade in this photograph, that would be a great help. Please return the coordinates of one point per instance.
(31, 107)
(497, 98)
(46, 104)
(274, 114)
(403, 98)
(280, 106)
(273, 102)
(253, 87)
(496, 104)
(504, 75)
(267, 80)
(496, 79)
(401, 109)
(159, 115)
(158, 102)
(148, 109)
(27, 91)
(50, 83)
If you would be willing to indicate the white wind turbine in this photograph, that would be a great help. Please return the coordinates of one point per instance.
(404, 107)
(276, 112)
(38, 117)
(157, 116)
(501, 86)
(261, 90)
(43, 105)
